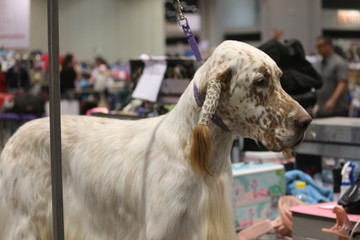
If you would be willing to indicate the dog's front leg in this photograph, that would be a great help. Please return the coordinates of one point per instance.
(169, 226)
(172, 210)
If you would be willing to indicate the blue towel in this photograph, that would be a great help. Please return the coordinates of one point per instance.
(316, 193)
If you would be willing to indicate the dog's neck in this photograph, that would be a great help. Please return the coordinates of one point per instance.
(186, 116)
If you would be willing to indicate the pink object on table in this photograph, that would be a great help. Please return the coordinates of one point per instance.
(343, 225)
(282, 225)
(256, 230)
(97, 110)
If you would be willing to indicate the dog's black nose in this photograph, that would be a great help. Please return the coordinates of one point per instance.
(303, 122)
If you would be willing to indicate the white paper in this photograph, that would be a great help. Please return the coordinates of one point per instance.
(330, 206)
(149, 84)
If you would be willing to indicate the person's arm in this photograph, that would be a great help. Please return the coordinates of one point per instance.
(78, 73)
(330, 104)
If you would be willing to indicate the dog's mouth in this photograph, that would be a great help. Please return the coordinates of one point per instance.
(262, 146)
(298, 141)
(301, 138)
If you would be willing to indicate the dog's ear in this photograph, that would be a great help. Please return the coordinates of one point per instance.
(225, 79)
(201, 140)
(200, 150)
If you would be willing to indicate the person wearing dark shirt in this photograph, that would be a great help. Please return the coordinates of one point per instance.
(17, 78)
(69, 74)
(333, 68)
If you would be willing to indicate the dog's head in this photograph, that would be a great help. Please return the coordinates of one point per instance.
(252, 102)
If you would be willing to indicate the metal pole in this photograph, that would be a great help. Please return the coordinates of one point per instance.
(55, 125)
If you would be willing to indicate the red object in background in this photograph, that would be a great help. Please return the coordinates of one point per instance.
(45, 60)
(120, 75)
(5, 97)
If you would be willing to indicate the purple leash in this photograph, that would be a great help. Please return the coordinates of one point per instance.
(191, 40)
(183, 22)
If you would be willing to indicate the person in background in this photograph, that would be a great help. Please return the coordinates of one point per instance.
(69, 74)
(17, 78)
(277, 34)
(332, 99)
(100, 75)
(100, 79)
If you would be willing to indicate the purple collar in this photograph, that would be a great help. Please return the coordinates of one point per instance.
(215, 118)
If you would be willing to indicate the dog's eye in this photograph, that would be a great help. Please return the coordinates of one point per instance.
(260, 82)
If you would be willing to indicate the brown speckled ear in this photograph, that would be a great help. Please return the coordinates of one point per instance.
(211, 101)
(225, 79)
(201, 142)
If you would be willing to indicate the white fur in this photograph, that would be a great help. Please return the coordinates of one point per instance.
(132, 180)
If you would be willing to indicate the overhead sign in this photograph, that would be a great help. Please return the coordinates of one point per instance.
(348, 17)
(15, 23)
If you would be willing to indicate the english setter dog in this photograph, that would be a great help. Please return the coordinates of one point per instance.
(162, 178)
